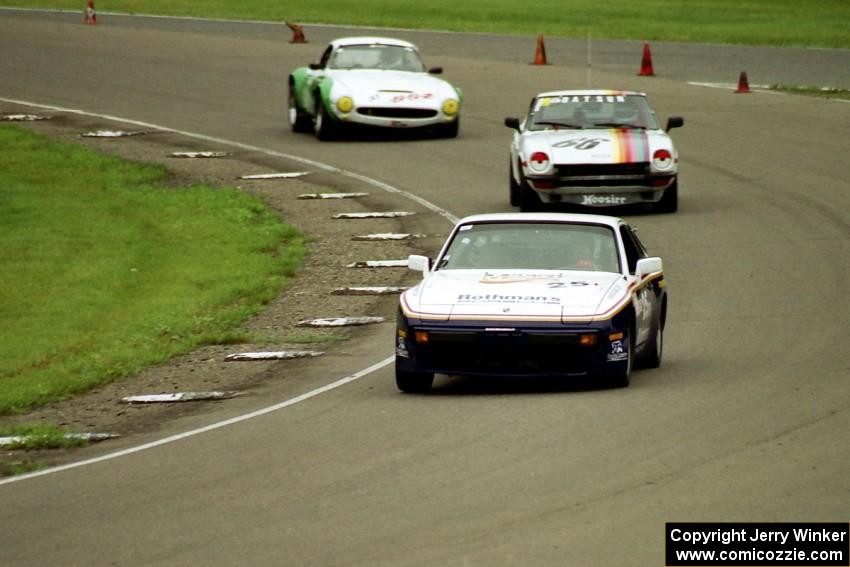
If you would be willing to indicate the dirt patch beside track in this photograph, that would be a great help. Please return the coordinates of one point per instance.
(331, 250)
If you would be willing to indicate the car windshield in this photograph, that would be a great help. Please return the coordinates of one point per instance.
(388, 57)
(532, 246)
(591, 111)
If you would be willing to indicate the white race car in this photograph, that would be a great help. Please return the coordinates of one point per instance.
(597, 148)
(371, 81)
(521, 294)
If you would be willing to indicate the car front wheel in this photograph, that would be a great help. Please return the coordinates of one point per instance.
(528, 199)
(514, 186)
(413, 382)
(669, 202)
(324, 126)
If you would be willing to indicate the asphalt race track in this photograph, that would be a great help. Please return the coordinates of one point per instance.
(748, 419)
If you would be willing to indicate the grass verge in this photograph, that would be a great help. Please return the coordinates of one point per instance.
(815, 23)
(106, 270)
(40, 436)
(821, 92)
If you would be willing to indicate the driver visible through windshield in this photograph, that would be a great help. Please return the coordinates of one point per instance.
(532, 246)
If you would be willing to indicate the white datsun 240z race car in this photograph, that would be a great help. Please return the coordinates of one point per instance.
(597, 148)
(522, 294)
(371, 81)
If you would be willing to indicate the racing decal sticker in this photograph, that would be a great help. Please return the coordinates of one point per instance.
(630, 146)
(498, 298)
(490, 278)
(583, 143)
(401, 348)
(603, 200)
(618, 352)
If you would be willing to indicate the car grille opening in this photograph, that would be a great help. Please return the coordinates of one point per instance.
(611, 174)
(386, 112)
(510, 353)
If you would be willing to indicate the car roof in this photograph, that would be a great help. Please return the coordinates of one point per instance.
(590, 92)
(613, 222)
(370, 40)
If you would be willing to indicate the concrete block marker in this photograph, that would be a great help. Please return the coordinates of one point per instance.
(90, 437)
(22, 118)
(282, 175)
(378, 264)
(112, 133)
(340, 321)
(374, 215)
(386, 290)
(279, 355)
(193, 155)
(392, 236)
(308, 196)
(179, 397)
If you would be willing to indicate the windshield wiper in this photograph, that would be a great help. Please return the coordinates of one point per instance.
(561, 124)
(618, 125)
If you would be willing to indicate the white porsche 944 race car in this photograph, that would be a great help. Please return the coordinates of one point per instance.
(597, 148)
(371, 81)
(524, 294)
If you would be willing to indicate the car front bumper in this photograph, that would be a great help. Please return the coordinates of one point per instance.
(514, 351)
(601, 185)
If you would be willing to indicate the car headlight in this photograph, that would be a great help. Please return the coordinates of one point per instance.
(662, 159)
(450, 107)
(345, 104)
(538, 162)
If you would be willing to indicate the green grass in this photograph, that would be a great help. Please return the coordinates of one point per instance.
(821, 23)
(40, 437)
(822, 92)
(106, 269)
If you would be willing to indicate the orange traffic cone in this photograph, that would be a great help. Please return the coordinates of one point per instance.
(540, 52)
(743, 83)
(297, 33)
(646, 62)
(91, 16)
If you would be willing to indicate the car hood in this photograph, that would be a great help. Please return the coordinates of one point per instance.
(369, 86)
(599, 146)
(526, 295)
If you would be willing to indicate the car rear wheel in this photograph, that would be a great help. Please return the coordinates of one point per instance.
(670, 200)
(413, 382)
(299, 121)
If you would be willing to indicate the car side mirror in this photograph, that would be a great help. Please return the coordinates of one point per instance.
(512, 122)
(675, 122)
(435, 70)
(647, 266)
(419, 263)
(315, 66)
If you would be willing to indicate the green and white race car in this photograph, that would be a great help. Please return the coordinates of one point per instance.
(371, 81)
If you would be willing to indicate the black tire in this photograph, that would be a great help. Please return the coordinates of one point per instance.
(514, 186)
(413, 382)
(451, 129)
(299, 121)
(654, 349)
(669, 203)
(324, 126)
(529, 202)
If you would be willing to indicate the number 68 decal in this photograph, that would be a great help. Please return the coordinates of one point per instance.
(580, 143)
